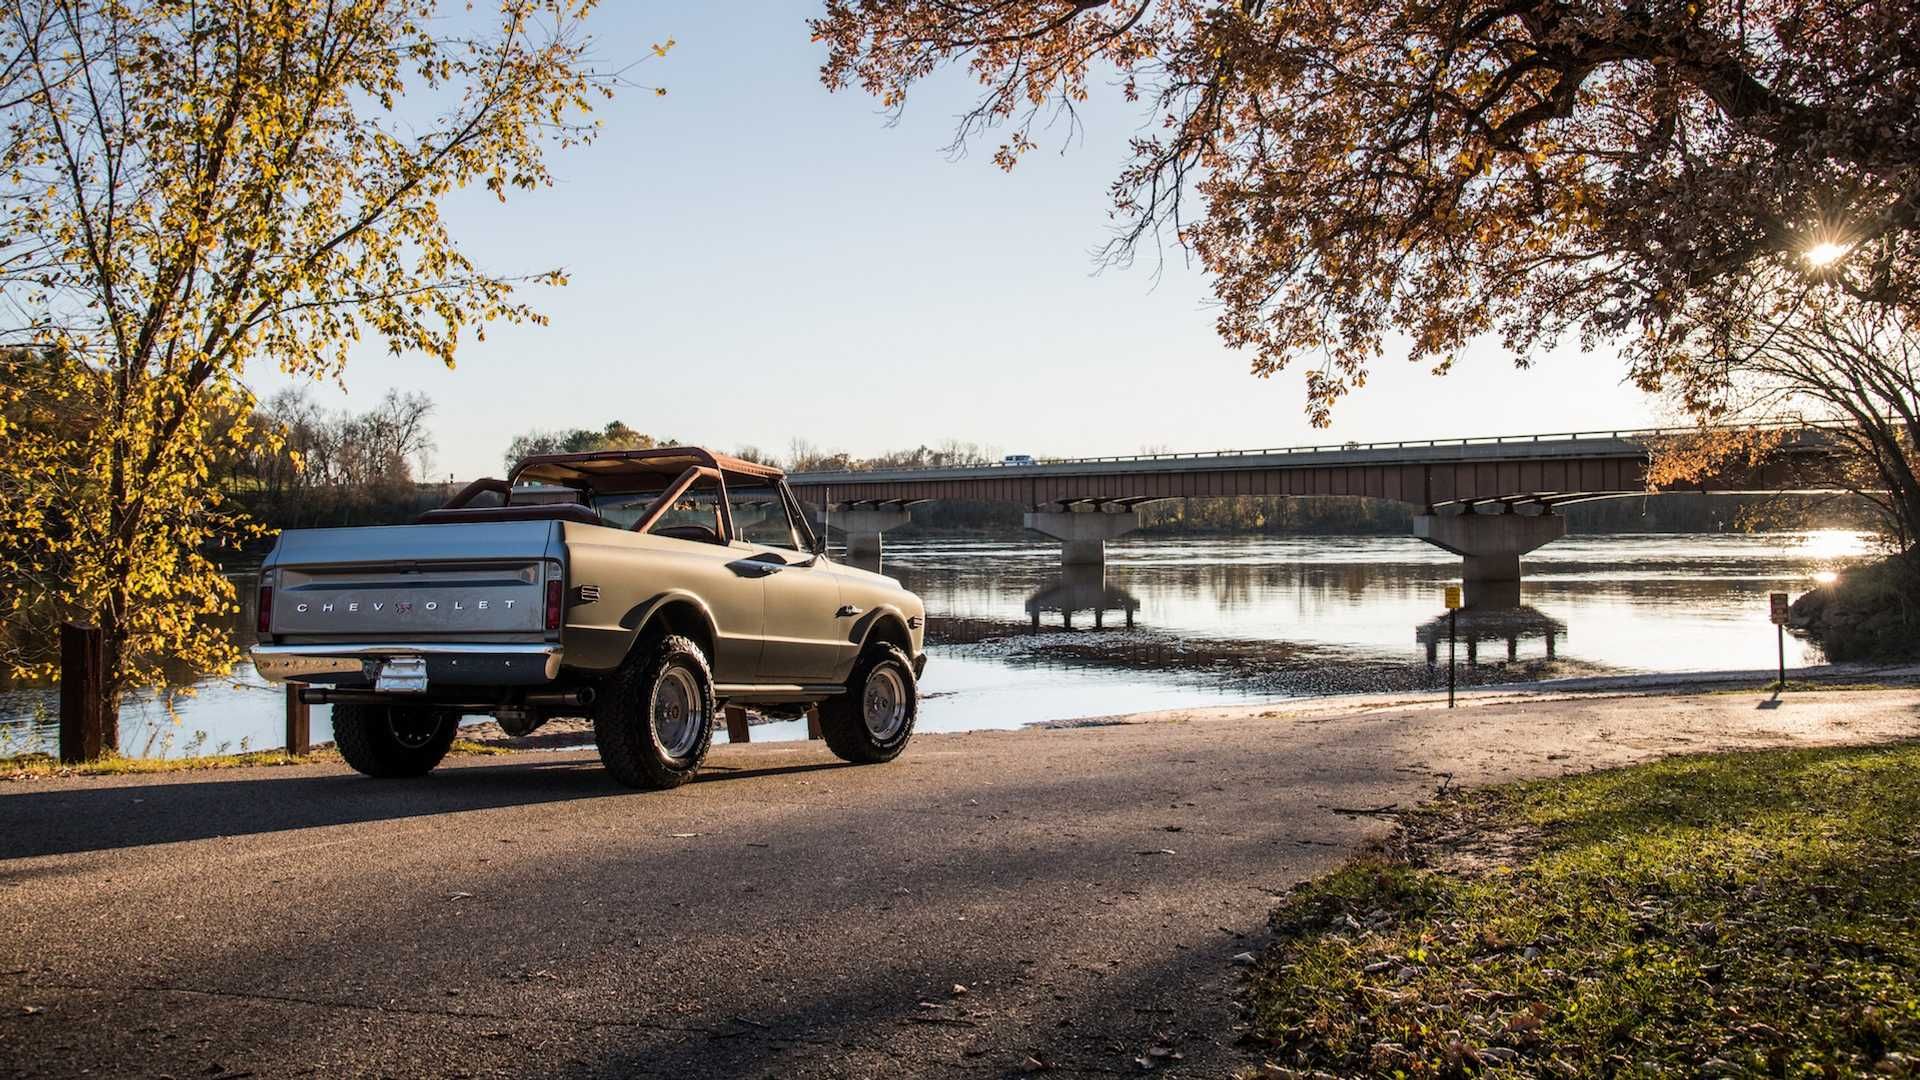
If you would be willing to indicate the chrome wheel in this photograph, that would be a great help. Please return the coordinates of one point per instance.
(679, 712)
(884, 704)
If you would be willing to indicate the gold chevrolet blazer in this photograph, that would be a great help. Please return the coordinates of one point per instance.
(647, 589)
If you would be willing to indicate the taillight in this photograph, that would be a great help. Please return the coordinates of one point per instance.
(554, 596)
(266, 609)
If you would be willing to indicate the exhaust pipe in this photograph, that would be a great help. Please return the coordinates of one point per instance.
(550, 698)
(545, 699)
(310, 695)
(524, 716)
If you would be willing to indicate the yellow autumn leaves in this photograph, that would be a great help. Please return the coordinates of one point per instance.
(191, 191)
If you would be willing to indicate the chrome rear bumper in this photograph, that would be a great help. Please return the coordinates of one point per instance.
(478, 664)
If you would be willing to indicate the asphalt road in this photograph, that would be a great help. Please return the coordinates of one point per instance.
(784, 916)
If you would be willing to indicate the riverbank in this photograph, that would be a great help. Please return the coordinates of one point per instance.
(46, 766)
(483, 736)
(1816, 679)
(1733, 914)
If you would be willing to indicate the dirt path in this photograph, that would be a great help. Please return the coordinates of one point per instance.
(785, 916)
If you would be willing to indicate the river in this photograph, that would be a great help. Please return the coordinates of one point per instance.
(1015, 642)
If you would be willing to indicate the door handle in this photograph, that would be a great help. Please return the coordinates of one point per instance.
(847, 611)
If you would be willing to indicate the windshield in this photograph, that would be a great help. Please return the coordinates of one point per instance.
(695, 515)
(760, 516)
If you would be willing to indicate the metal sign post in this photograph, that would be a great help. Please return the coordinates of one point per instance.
(1778, 602)
(1453, 628)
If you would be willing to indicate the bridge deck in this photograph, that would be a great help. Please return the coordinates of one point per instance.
(1543, 469)
(1513, 469)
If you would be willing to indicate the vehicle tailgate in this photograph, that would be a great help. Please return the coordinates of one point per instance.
(426, 581)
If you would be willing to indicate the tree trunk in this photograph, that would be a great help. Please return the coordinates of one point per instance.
(112, 635)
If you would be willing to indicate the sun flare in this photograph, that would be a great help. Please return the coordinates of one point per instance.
(1831, 544)
(1825, 253)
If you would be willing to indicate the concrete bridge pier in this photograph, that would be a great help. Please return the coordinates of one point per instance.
(862, 526)
(1490, 546)
(1083, 534)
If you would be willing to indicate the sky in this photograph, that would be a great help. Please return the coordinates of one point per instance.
(754, 260)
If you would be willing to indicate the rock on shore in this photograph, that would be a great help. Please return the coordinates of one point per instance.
(1870, 612)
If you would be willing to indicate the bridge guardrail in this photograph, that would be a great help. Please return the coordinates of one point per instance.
(1284, 451)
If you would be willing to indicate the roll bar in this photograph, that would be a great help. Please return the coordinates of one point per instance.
(478, 488)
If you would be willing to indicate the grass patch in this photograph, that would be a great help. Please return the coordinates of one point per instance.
(1750, 914)
(44, 766)
(477, 749)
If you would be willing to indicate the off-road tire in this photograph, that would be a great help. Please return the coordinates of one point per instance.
(623, 715)
(393, 741)
(843, 718)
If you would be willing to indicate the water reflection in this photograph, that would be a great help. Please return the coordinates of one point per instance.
(1509, 626)
(239, 712)
(1632, 603)
(864, 560)
(1082, 588)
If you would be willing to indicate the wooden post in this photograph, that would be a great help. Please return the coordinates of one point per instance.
(737, 729)
(299, 722)
(1453, 631)
(83, 704)
(813, 721)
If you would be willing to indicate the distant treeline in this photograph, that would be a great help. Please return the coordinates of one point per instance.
(344, 506)
(311, 467)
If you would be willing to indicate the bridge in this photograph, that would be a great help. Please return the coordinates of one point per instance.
(1488, 500)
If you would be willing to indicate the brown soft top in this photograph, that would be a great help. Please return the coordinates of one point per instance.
(608, 470)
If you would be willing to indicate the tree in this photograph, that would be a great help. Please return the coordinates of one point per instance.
(615, 436)
(52, 525)
(1450, 169)
(310, 467)
(804, 456)
(750, 452)
(186, 188)
(1770, 352)
(950, 453)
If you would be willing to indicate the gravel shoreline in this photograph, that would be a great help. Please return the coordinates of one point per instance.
(1483, 688)
(1274, 668)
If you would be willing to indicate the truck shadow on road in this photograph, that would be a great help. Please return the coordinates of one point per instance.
(113, 813)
